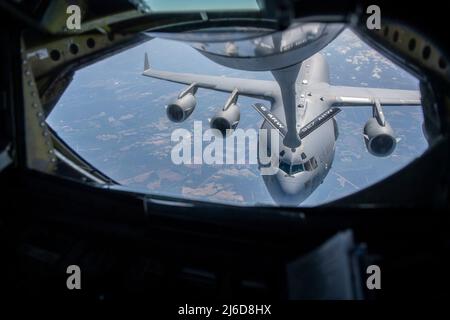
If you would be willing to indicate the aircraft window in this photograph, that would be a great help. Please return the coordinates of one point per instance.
(286, 167)
(308, 166)
(314, 162)
(291, 169)
(311, 164)
(296, 168)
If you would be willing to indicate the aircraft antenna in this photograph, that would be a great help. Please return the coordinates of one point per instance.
(146, 64)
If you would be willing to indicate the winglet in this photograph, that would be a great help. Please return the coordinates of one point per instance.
(146, 64)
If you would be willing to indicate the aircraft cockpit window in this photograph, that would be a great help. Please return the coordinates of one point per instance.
(291, 169)
(296, 168)
(284, 166)
(311, 164)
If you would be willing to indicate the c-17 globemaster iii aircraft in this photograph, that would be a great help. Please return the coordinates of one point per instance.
(302, 104)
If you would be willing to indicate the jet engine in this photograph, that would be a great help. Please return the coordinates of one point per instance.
(181, 108)
(379, 139)
(226, 119)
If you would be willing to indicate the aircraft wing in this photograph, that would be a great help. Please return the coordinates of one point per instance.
(361, 96)
(248, 87)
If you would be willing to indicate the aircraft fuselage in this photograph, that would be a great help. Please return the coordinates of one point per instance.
(308, 164)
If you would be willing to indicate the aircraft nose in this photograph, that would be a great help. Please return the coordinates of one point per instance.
(290, 185)
(286, 190)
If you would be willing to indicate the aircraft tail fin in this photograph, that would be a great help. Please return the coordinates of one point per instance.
(146, 64)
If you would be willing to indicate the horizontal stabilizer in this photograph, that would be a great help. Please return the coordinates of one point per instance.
(306, 130)
(270, 118)
(318, 121)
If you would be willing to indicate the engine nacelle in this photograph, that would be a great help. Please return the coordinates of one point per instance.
(226, 119)
(380, 140)
(181, 109)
